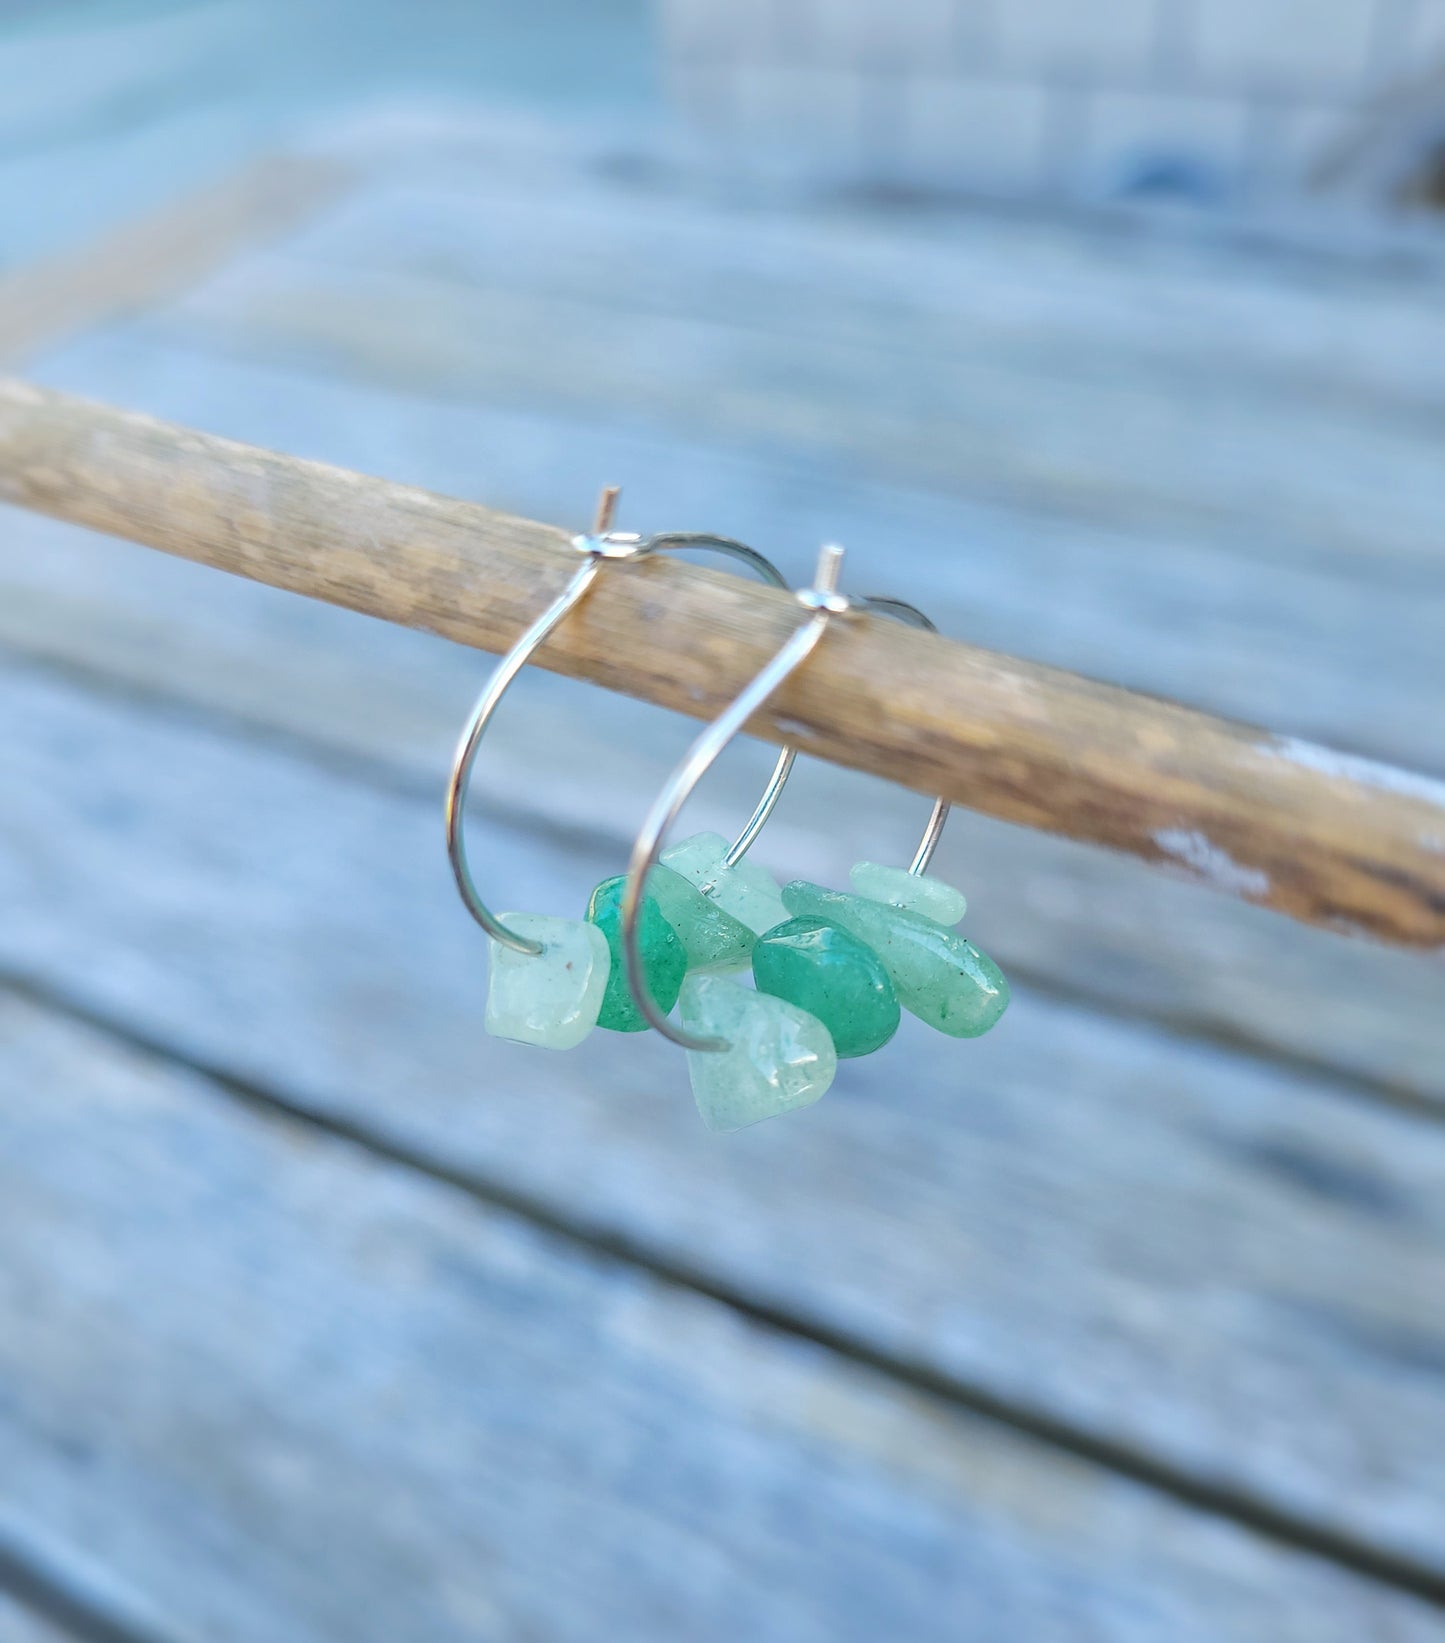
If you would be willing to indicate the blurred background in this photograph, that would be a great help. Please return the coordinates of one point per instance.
(1112, 335)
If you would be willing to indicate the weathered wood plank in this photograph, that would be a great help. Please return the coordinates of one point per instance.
(163, 252)
(53, 1590)
(1037, 296)
(1326, 839)
(1150, 452)
(54, 198)
(19, 1625)
(87, 77)
(416, 1418)
(1161, 1247)
(1083, 920)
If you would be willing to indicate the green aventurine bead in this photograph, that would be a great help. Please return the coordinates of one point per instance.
(822, 969)
(551, 998)
(943, 979)
(664, 962)
(713, 939)
(913, 892)
(747, 891)
(778, 1056)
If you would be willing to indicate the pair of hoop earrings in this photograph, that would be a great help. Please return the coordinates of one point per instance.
(832, 970)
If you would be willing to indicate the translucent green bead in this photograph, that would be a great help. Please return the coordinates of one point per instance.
(713, 939)
(749, 892)
(778, 1057)
(832, 975)
(664, 962)
(943, 979)
(552, 998)
(913, 892)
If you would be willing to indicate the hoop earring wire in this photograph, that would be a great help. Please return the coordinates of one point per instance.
(601, 545)
(878, 604)
(825, 602)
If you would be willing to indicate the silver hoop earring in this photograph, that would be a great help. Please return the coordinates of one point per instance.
(834, 972)
(554, 979)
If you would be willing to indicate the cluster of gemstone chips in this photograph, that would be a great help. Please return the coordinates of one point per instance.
(832, 973)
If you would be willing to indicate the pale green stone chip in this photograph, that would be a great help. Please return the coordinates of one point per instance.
(750, 893)
(913, 892)
(551, 999)
(779, 1057)
(943, 979)
(712, 938)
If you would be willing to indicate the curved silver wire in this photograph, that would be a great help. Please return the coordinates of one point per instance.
(681, 541)
(823, 602)
(600, 546)
(900, 610)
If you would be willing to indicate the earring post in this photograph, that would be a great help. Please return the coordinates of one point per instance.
(830, 568)
(606, 509)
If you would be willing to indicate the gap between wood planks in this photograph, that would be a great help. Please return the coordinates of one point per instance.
(1231, 1504)
(61, 1599)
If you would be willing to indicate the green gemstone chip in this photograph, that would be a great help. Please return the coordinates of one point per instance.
(777, 1057)
(664, 960)
(714, 940)
(938, 976)
(832, 975)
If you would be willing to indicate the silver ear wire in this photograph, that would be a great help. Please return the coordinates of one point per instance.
(824, 602)
(601, 545)
(879, 604)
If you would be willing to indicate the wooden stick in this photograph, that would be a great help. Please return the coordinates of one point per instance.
(1324, 837)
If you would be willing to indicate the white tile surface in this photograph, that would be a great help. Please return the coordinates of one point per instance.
(1113, 36)
(975, 133)
(913, 32)
(985, 93)
(806, 119)
(1324, 44)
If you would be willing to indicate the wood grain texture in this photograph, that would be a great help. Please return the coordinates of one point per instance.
(1220, 1270)
(1319, 836)
(419, 1418)
(145, 260)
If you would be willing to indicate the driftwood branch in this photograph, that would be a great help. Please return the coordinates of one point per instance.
(1324, 837)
